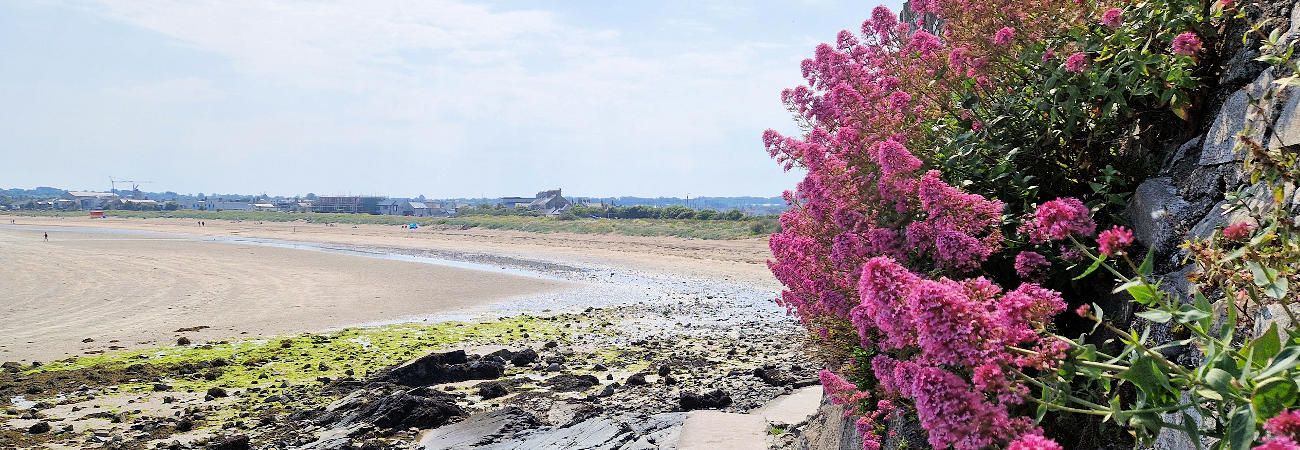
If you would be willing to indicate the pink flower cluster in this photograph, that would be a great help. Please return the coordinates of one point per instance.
(1077, 62)
(1283, 432)
(1059, 219)
(1004, 36)
(1186, 44)
(1033, 441)
(1032, 265)
(874, 240)
(1112, 18)
(1238, 231)
(1113, 241)
(945, 325)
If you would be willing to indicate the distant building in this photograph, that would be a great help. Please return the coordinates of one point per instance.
(547, 202)
(218, 204)
(89, 200)
(516, 202)
(421, 209)
(265, 207)
(347, 204)
(389, 207)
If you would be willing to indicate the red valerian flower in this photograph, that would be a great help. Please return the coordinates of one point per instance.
(1004, 36)
(1286, 424)
(1033, 441)
(1077, 62)
(1238, 231)
(1111, 18)
(1031, 265)
(1113, 241)
(1186, 44)
(1059, 219)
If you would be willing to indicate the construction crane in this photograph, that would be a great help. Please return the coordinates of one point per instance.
(135, 185)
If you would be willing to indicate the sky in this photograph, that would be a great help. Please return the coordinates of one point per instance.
(444, 98)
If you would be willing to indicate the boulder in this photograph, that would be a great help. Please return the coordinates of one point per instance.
(39, 428)
(1153, 212)
(636, 379)
(233, 442)
(714, 399)
(491, 390)
(571, 383)
(1286, 131)
(523, 357)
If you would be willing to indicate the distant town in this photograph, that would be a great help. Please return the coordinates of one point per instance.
(547, 202)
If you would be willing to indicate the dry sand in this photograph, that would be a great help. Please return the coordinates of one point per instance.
(137, 289)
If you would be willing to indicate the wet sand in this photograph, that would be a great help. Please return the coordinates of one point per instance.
(741, 259)
(136, 289)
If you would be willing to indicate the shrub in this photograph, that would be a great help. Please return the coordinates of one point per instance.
(929, 157)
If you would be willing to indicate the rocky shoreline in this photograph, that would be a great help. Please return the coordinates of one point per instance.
(622, 375)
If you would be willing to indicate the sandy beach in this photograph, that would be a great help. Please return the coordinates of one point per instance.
(127, 283)
(130, 290)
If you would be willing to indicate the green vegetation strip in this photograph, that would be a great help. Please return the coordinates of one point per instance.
(296, 360)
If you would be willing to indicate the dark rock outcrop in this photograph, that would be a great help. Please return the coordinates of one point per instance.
(714, 399)
(233, 442)
(415, 408)
(571, 383)
(448, 367)
(491, 390)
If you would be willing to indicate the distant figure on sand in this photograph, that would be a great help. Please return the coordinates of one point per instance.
(47, 237)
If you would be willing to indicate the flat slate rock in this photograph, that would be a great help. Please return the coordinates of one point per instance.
(481, 431)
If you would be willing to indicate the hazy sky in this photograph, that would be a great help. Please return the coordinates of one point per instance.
(441, 98)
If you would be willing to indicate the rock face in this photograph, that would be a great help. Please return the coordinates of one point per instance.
(448, 367)
(1232, 119)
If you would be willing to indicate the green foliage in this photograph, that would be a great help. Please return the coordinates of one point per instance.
(1062, 133)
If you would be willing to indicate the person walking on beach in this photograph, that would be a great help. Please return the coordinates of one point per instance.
(47, 237)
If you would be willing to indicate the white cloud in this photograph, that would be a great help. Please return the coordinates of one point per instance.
(451, 79)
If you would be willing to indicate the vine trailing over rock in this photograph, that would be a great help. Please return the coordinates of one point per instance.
(940, 149)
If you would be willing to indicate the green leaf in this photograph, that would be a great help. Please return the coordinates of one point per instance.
(1277, 289)
(1190, 313)
(1266, 346)
(1148, 263)
(1126, 286)
(1144, 294)
(1272, 396)
(1191, 427)
(1285, 360)
(1210, 394)
(1219, 379)
(1156, 315)
(1091, 268)
(1241, 428)
(1144, 375)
